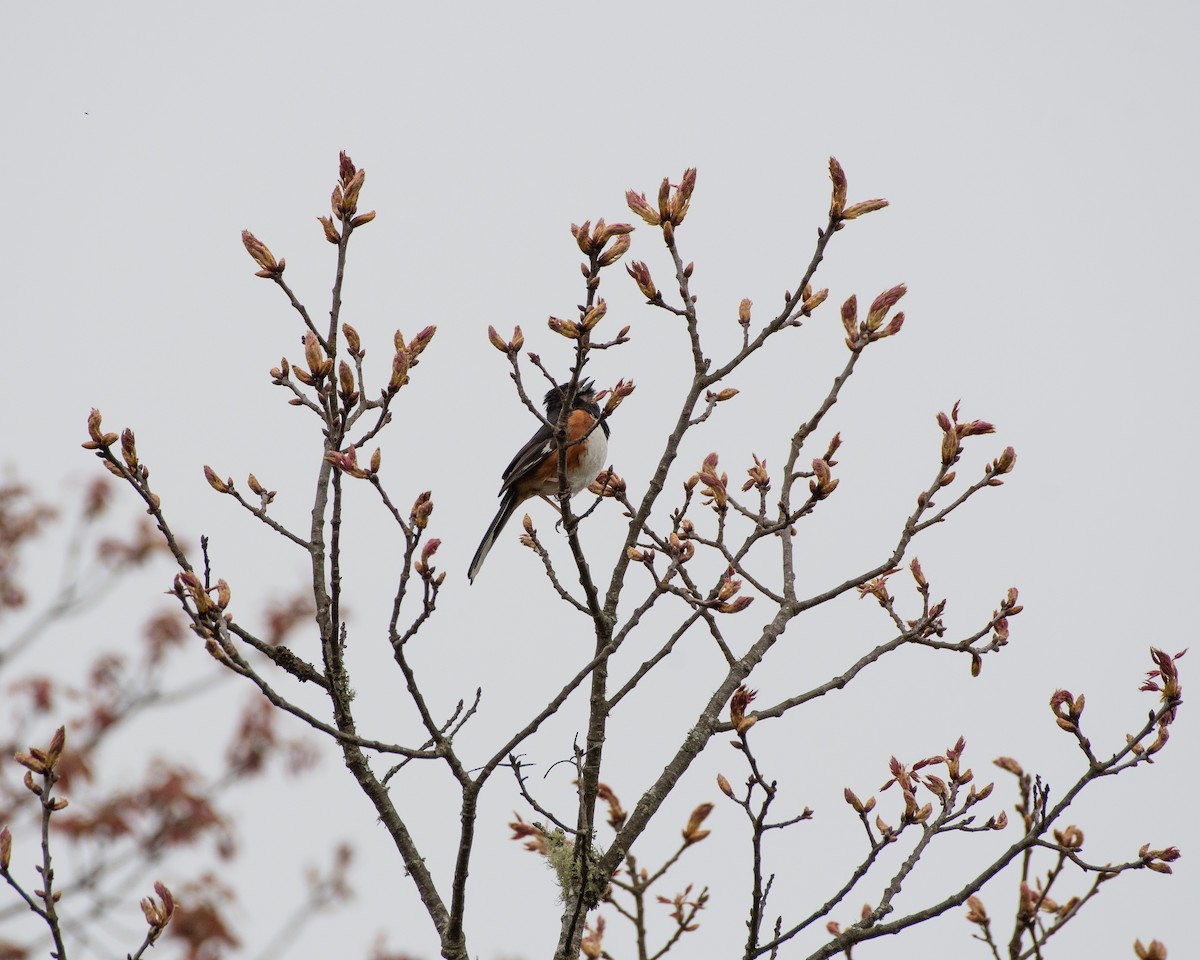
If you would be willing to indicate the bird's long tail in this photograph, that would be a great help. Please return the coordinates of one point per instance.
(507, 507)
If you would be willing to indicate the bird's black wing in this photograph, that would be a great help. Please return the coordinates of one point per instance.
(529, 457)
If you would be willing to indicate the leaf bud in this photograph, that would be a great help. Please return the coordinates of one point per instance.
(129, 449)
(346, 380)
(57, 743)
(856, 210)
(893, 327)
(564, 328)
(882, 304)
(637, 203)
(353, 188)
(271, 268)
(399, 371)
(744, 311)
(950, 447)
(641, 276)
(837, 202)
(99, 441)
(331, 232)
(421, 510)
(221, 486)
(850, 316)
(811, 303)
(595, 315)
(416, 346)
(583, 237)
(615, 252)
(692, 832)
(496, 340)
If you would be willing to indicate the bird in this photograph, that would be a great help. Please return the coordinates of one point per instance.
(533, 472)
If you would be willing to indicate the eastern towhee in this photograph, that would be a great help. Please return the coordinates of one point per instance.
(534, 470)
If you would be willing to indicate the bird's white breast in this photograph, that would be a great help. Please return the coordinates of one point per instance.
(592, 462)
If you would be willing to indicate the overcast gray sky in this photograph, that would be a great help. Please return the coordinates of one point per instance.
(1040, 160)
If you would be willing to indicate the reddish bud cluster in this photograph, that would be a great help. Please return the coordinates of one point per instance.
(158, 913)
(1165, 678)
(640, 556)
(407, 356)
(672, 207)
(877, 587)
(344, 201)
(529, 537)
(592, 242)
(507, 347)
(741, 699)
(533, 835)
(641, 276)
(347, 463)
(617, 395)
(822, 484)
(919, 575)
(727, 599)
(715, 486)
(1067, 709)
(100, 440)
(1159, 860)
(680, 902)
(607, 484)
(858, 335)
(43, 762)
(954, 432)
(1070, 837)
(759, 477)
(188, 583)
(422, 508)
(426, 570)
(681, 549)
(1008, 608)
(838, 210)
(859, 807)
(616, 813)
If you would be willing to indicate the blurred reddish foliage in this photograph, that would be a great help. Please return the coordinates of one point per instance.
(160, 805)
(20, 520)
